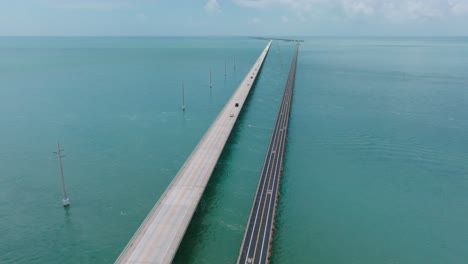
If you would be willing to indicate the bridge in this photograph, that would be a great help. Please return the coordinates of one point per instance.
(159, 236)
(256, 243)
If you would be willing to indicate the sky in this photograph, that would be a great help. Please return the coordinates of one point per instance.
(234, 17)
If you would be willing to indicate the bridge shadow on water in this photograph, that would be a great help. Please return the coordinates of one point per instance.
(209, 200)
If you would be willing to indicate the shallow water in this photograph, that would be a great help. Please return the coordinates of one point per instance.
(376, 166)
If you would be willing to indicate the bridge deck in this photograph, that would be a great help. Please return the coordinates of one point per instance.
(159, 236)
(259, 231)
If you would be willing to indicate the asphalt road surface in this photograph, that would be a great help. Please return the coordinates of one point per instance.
(260, 226)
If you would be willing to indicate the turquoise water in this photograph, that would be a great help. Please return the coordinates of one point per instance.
(376, 167)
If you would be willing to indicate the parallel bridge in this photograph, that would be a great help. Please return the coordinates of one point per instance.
(259, 232)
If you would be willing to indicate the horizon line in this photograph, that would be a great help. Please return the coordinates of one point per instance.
(244, 36)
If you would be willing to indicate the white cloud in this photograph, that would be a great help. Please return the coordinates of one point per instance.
(284, 19)
(212, 7)
(414, 10)
(256, 20)
(89, 4)
(141, 16)
(358, 8)
(389, 9)
(459, 7)
(254, 3)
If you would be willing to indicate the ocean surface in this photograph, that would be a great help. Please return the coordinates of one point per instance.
(376, 165)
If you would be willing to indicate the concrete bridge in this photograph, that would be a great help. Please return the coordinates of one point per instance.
(159, 236)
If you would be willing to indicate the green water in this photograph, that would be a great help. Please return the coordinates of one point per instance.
(376, 166)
